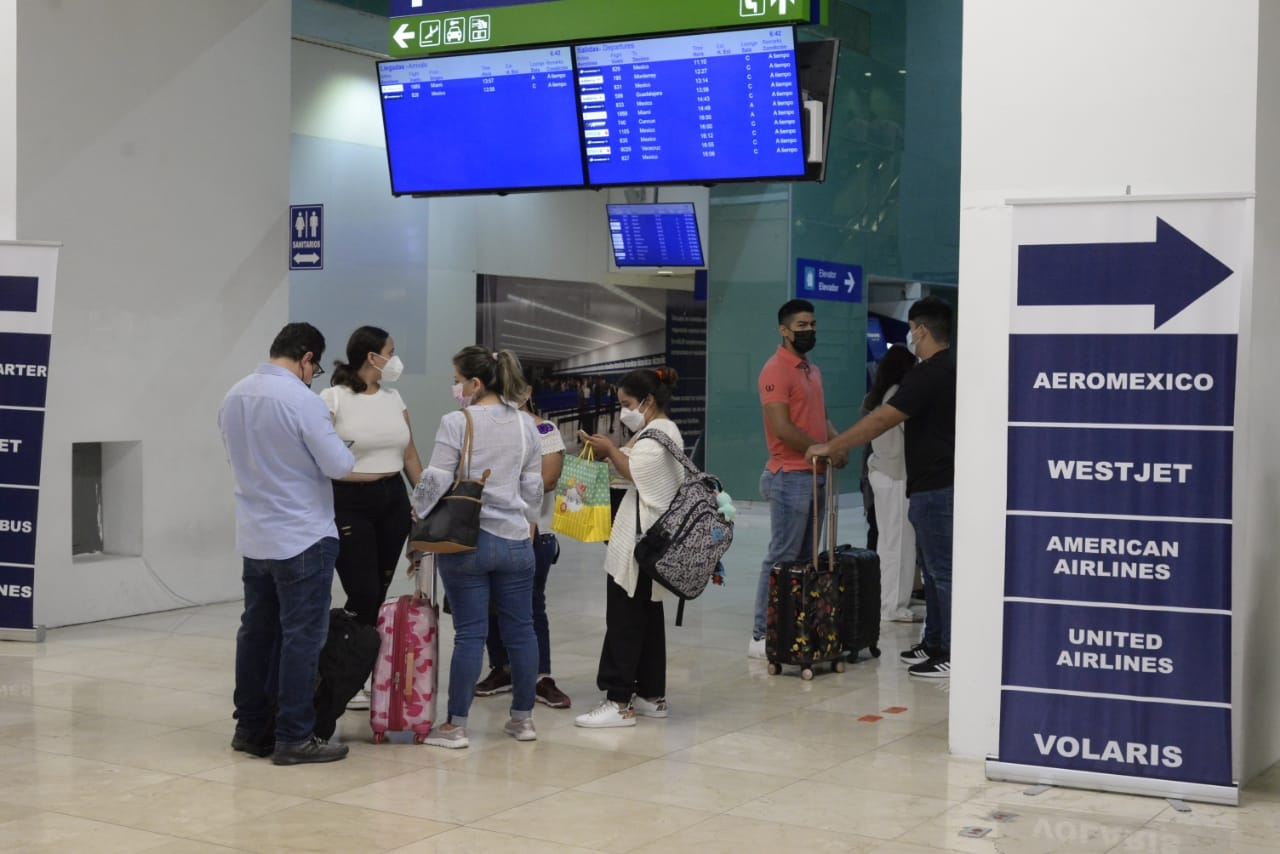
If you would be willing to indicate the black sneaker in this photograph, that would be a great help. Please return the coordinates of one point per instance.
(497, 682)
(258, 747)
(916, 655)
(312, 750)
(938, 667)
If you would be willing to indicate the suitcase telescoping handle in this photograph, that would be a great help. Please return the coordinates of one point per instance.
(831, 514)
(419, 592)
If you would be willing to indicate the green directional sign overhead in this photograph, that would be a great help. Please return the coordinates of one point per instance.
(580, 20)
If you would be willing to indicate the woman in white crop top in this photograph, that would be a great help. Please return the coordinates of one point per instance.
(371, 505)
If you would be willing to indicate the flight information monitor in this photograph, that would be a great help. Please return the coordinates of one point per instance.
(655, 235)
(482, 122)
(720, 106)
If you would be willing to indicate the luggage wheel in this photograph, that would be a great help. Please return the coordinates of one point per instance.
(774, 668)
(807, 674)
(379, 737)
(875, 651)
(419, 737)
(837, 666)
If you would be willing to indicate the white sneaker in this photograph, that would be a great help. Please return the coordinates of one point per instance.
(451, 739)
(360, 701)
(649, 708)
(607, 714)
(755, 649)
(521, 729)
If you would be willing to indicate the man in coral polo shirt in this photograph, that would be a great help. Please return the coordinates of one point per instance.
(795, 417)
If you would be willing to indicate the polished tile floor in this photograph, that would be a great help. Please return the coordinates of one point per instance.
(114, 737)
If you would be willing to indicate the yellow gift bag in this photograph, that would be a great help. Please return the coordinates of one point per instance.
(582, 499)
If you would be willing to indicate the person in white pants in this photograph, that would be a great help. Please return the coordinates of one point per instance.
(887, 472)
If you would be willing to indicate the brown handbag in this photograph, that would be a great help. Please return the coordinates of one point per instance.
(453, 525)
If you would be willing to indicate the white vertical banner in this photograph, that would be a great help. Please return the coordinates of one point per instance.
(1122, 381)
(27, 277)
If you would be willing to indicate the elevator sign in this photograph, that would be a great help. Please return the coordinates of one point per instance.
(1117, 606)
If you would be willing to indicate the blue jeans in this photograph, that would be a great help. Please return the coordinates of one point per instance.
(283, 627)
(931, 515)
(502, 571)
(791, 515)
(546, 549)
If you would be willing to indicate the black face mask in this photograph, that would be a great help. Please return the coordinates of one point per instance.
(803, 342)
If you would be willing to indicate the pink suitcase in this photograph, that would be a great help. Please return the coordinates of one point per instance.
(406, 675)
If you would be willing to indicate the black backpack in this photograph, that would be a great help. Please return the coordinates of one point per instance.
(346, 661)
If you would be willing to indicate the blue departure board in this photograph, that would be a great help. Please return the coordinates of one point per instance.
(708, 107)
(655, 235)
(482, 122)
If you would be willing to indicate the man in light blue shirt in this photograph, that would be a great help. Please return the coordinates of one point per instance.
(284, 453)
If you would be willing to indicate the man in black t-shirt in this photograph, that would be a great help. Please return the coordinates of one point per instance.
(926, 401)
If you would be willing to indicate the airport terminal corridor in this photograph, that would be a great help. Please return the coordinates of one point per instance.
(114, 737)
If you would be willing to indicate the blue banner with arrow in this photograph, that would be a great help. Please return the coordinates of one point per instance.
(1122, 396)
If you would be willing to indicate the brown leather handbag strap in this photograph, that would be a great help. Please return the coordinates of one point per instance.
(464, 460)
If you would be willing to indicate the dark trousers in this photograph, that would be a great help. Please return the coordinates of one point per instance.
(546, 549)
(373, 524)
(282, 629)
(634, 657)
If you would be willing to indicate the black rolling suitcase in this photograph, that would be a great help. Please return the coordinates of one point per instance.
(858, 571)
(802, 624)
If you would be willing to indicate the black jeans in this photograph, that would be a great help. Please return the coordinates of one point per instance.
(634, 657)
(373, 524)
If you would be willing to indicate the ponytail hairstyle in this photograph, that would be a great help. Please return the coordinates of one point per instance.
(499, 372)
(659, 382)
(365, 340)
(893, 367)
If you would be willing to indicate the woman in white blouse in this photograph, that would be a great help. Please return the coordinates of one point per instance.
(371, 505)
(887, 472)
(633, 660)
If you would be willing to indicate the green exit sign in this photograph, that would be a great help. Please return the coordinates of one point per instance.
(583, 20)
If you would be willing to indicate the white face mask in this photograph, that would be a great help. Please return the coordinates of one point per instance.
(392, 370)
(459, 395)
(911, 343)
(632, 419)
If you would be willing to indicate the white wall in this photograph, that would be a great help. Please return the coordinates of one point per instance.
(1257, 496)
(1072, 100)
(153, 141)
(8, 119)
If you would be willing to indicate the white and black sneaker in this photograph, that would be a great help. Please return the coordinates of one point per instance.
(918, 654)
(938, 667)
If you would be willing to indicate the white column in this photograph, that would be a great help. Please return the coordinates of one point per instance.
(8, 119)
(1097, 98)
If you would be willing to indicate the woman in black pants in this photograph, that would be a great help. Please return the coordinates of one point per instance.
(371, 505)
(633, 659)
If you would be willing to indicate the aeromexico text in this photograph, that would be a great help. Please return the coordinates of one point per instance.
(1122, 381)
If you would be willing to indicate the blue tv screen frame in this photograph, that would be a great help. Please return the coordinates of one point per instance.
(450, 121)
(692, 109)
(662, 234)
